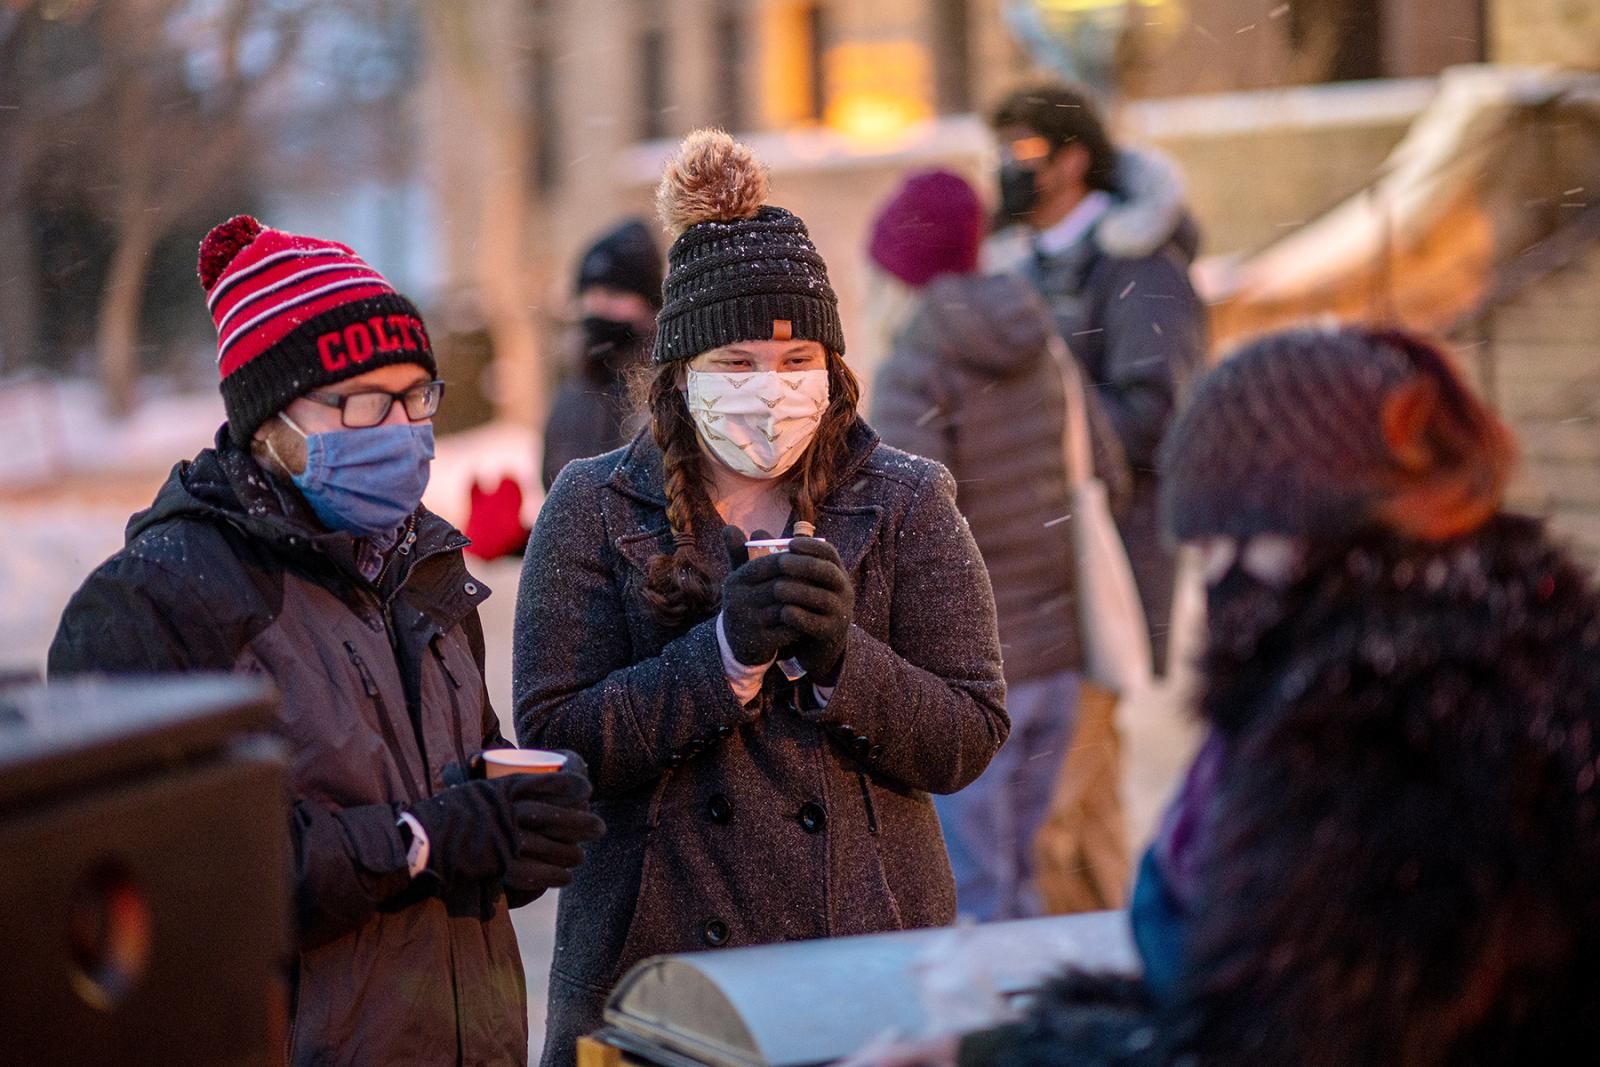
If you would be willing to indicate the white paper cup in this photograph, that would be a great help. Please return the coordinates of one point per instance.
(767, 546)
(499, 762)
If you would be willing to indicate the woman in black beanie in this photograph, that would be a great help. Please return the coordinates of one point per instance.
(762, 733)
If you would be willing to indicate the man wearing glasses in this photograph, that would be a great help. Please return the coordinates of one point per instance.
(298, 548)
(1103, 234)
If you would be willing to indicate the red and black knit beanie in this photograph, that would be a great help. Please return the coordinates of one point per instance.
(740, 269)
(297, 313)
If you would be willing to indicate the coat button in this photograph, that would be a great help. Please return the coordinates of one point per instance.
(716, 933)
(860, 746)
(724, 730)
(471, 588)
(812, 818)
(674, 759)
(874, 752)
(719, 808)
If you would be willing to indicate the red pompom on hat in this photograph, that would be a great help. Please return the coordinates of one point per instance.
(222, 244)
(295, 314)
(933, 225)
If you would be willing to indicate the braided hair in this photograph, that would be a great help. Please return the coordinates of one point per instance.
(677, 587)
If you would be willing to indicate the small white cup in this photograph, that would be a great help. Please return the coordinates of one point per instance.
(767, 546)
(499, 762)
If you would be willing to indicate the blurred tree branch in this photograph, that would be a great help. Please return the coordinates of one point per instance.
(475, 100)
(144, 110)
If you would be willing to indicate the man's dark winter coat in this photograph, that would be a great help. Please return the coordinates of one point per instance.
(971, 382)
(1122, 299)
(1403, 865)
(775, 821)
(592, 413)
(382, 686)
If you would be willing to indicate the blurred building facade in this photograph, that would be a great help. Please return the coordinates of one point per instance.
(1282, 116)
(1299, 104)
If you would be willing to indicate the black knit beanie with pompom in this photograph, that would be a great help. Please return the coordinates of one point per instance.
(740, 269)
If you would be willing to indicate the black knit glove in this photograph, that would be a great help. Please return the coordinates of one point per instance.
(749, 604)
(553, 819)
(479, 830)
(471, 828)
(816, 601)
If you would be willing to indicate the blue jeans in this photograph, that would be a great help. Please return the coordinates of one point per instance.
(990, 825)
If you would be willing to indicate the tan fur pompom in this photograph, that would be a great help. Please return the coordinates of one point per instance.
(713, 178)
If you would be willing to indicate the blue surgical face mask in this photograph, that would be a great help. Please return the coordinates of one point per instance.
(367, 481)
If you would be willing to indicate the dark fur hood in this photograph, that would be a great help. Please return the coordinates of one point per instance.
(1410, 805)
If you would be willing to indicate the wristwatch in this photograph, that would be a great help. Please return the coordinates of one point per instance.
(416, 839)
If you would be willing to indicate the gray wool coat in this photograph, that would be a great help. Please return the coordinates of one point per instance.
(774, 821)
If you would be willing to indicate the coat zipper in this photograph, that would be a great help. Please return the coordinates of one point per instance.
(455, 701)
(444, 664)
(370, 685)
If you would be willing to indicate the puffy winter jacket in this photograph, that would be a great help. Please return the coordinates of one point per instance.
(382, 687)
(971, 382)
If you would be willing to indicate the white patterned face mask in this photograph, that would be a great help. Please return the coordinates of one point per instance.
(758, 422)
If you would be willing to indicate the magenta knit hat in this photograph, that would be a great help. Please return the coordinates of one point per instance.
(932, 226)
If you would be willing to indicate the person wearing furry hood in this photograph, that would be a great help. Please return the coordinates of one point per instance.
(1102, 233)
(1390, 852)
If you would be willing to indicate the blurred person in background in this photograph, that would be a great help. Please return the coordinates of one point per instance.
(298, 548)
(618, 293)
(1102, 233)
(971, 381)
(1388, 850)
(763, 730)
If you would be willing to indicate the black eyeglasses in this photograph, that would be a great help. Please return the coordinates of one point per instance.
(360, 410)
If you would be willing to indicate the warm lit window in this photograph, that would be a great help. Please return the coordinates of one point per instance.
(793, 35)
(878, 90)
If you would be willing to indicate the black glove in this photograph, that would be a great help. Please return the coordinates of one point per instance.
(471, 828)
(816, 601)
(749, 605)
(553, 819)
(477, 830)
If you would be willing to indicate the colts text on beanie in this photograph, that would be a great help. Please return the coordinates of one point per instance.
(296, 313)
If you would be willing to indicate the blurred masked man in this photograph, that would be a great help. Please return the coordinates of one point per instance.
(619, 293)
(1103, 234)
(298, 548)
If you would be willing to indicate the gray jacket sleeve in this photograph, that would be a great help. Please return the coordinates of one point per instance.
(575, 684)
(1154, 341)
(932, 696)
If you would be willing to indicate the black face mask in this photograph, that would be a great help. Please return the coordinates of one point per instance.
(1019, 192)
(601, 335)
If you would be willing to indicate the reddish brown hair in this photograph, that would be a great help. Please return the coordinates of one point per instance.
(1454, 455)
